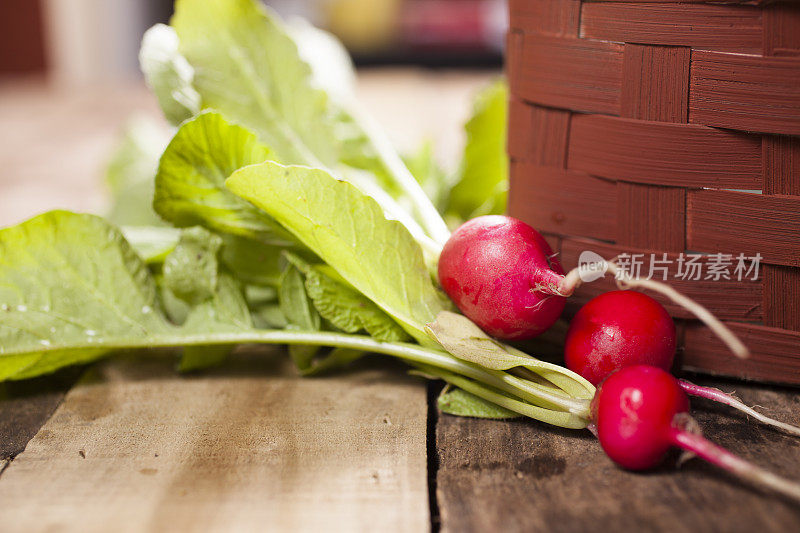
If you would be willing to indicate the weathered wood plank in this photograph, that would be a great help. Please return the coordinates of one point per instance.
(25, 406)
(524, 476)
(248, 447)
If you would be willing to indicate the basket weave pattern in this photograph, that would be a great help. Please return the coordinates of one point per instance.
(634, 127)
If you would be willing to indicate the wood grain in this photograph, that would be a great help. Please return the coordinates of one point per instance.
(728, 28)
(545, 16)
(249, 447)
(660, 153)
(564, 202)
(781, 164)
(736, 222)
(649, 216)
(781, 37)
(26, 405)
(521, 476)
(775, 357)
(782, 297)
(727, 299)
(655, 83)
(751, 93)
(537, 134)
(568, 73)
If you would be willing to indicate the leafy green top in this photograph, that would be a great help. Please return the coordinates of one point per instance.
(349, 231)
(69, 281)
(482, 184)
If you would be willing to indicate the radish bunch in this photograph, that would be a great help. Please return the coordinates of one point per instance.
(503, 276)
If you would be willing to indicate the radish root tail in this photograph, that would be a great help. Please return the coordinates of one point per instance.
(718, 456)
(730, 400)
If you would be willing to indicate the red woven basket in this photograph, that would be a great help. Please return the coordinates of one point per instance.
(669, 128)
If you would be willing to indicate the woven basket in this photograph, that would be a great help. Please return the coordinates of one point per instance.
(636, 127)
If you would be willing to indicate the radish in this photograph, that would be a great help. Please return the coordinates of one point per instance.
(492, 268)
(569, 283)
(618, 329)
(625, 328)
(640, 412)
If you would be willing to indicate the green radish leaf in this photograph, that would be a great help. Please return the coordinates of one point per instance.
(268, 316)
(482, 183)
(69, 284)
(152, 243)
(434, 181)
(252, 262)
(190, 271)
(294, 302)
(563, 419)
(346, 308)
(190, 182)
(248, 68)
(269, 87)
(168, 74)
(336, 359)
(264, 307)
(461, 403)
(350, 233)
(215, 300)
(258, 295)
(73, 290)
(464, 339)
(300, 314)
(130, 173)
(225, 310)
(176, 310)
(332, 69)
(196, 358)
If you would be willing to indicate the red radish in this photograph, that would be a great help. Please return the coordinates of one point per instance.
(640, 412)
(618, 329)
(493, 268)
(634, 411)
(569, 283)
(625, 328)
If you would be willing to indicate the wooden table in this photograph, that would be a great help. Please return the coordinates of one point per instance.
(129, 445)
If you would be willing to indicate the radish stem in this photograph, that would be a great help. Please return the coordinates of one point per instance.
(556, 418)
(431, 219)
(737, 466)
(727, 399)
(572, 281)
(545, 404)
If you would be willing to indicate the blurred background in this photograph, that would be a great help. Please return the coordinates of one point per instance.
(84, 41)
(71, 89)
